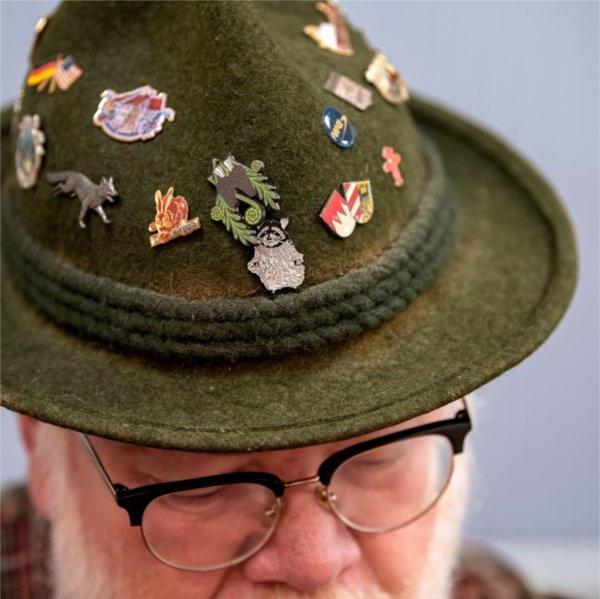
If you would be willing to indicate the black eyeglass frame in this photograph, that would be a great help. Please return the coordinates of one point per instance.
(135, 501)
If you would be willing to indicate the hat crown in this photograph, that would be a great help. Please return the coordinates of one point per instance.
(243, 80)
(170, 369)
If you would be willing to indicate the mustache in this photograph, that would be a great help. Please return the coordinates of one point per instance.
(331, 592)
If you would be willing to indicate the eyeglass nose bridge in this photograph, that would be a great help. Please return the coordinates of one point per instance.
(321, 492)
(302, 481)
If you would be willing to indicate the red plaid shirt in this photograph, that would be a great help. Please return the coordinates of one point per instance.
(24, 547)
(25, 573)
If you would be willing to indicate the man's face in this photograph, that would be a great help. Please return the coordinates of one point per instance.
(97, 554)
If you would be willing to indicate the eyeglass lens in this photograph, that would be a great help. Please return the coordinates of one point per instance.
(390, 486)
(375, 491)
(209, 528)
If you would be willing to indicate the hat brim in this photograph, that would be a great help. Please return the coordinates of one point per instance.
(504, 289)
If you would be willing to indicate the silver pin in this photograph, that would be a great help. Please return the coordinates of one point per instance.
(90, 195)
(276, 261)
(245, 200)
(30, 151)
(343, 87)
(17, 106)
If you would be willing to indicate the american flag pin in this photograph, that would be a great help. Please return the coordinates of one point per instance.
(58, 73)
(67, 73)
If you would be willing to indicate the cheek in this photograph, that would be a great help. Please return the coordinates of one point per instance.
(105, 525)
(132, 568)
(399, 557)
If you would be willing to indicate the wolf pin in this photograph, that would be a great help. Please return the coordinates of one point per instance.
(90, 195)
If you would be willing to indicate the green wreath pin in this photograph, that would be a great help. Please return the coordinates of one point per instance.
(243, 195)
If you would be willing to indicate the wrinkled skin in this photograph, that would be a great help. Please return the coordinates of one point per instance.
(97, 554)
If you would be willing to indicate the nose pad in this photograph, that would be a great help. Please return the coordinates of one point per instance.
(273, 510)
(323, 497)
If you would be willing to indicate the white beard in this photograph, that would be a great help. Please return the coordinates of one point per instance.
(75, 569)
(79, 568)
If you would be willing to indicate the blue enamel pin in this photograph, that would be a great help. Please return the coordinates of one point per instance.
(338, 127)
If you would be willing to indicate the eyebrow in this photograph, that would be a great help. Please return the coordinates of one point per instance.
(151, 461)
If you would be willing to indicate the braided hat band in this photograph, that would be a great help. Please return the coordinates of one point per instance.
(232, 329)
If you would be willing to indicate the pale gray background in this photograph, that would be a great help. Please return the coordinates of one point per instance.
(530, 71)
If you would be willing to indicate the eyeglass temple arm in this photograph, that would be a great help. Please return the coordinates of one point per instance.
(85, 442)
(465, 408)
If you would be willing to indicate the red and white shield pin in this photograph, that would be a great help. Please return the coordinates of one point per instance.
(341, 213)
(360, 190)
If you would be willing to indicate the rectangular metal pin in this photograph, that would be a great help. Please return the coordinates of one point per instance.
(343, 87)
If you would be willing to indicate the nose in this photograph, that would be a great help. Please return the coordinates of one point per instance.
(309, 549)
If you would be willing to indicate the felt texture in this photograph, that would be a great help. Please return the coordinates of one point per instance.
(243, 80)
(507, 284)
(245, 327)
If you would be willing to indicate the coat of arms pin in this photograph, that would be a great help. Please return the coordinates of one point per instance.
(134, 115)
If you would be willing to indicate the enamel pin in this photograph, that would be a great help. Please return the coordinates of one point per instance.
(18, 103)
(41, 24)
(333, 34)
(90, 195)
(360, 190)
(237, 185)
(17, 106)
(171, 220)
(344, 88)
(342, 213)
(276, 261)
(390, 84)
(391, 164)
(135, 115)
(244, 197)
(59, 73)
(39, 29)
(338, 127)
(29, 151)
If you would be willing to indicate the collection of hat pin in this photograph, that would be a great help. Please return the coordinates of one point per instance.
(246, 203)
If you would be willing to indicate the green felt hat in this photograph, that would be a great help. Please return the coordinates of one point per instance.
(460, 274)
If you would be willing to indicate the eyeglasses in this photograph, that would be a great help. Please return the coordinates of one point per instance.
(214, 522)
